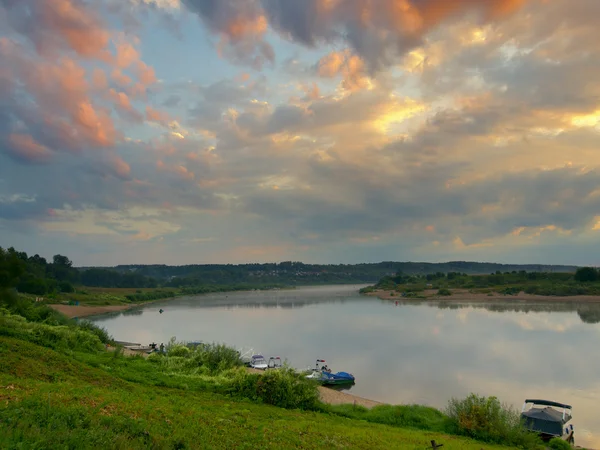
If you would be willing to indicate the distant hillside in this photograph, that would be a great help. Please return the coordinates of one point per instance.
(297, 273)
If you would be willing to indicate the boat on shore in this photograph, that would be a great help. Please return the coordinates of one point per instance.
(326, 377)
(258, 362)
(274, 363)
(547, 421)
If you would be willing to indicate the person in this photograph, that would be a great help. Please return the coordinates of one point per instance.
(162, 347)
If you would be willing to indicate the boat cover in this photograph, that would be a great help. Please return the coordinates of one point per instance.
(545, 420)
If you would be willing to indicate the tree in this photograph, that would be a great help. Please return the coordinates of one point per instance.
(11, 268)
(62, 261)
(586, 274)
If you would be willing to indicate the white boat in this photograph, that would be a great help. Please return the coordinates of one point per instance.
(258, 362)
(275, 362)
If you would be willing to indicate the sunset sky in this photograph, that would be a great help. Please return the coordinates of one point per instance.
(326, 131)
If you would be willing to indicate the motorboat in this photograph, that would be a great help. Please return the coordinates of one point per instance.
(258, 362)
(543, 418)
(274, 362)
(323, 375)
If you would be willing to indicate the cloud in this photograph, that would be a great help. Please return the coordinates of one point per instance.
(53, 24)
(377, 31)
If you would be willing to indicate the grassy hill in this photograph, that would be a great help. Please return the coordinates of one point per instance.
(52, 400)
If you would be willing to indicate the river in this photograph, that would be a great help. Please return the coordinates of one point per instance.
(403, 352)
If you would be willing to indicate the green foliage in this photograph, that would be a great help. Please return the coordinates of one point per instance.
(403, 416)
(486, 419)
(100, 332)
(586, 281)
(11, 268)
(559, 444)
(284, 388)
(58, 337)
(587, 274)
(217, 357)
(82, 401)
(179, 350)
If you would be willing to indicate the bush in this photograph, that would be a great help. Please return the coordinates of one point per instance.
(179, 350)
(284, 388)
(102, 334)
(217, 357)
(444, 292)
(66, 338)
(486, 419)
(559, 444)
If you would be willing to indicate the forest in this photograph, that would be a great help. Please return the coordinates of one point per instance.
(34, 274)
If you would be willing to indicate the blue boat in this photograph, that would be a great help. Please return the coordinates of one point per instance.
(325, 376)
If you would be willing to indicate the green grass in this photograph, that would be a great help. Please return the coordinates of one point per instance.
(52, 400)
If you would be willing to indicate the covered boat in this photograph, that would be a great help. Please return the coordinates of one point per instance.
(546, 420)
(275, 362)
(325, 376)
(258, 362)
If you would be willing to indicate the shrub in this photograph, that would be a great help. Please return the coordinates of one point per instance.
(179, 350)
(444, 292)
(217, 357)
(61, 337)
(284, 388)
(559, 444)
(486, 419)
(101, 332)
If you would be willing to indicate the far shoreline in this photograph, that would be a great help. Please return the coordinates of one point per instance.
(463, 295)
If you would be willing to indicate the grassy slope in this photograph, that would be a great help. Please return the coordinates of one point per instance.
(48, 399)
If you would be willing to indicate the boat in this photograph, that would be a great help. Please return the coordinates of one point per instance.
(542, 418)
(274, 362)
(326, 377)
(258, 362)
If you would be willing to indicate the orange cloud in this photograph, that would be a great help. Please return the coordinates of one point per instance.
(72, 22)
(24, 148)
(145, 73)
(95, 126)
(351, 67)
(154, 115)
(127, 54)
(179, 171)
(120, 168)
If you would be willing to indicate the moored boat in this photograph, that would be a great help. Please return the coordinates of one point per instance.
(547, 421)
(258, 362)
(325, 376)
(274, 362)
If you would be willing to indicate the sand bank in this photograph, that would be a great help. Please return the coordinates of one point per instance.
(82, 311)
(461, 295)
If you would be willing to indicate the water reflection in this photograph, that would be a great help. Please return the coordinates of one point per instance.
(588, 312)
(405, 353)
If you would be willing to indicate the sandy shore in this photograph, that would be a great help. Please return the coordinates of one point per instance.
(461, 295)
(334, 397)
(82, 311)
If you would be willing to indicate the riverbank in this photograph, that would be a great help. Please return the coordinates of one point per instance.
(49, 399)
(461, 295)
(72, 311)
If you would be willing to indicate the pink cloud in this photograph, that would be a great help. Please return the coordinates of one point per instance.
(55, 24)
(127, 54)
(145, 73)
(154, 115)
(24, 148)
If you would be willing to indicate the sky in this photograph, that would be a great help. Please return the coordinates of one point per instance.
(322, 131)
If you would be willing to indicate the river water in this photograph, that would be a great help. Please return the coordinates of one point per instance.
(401, 352)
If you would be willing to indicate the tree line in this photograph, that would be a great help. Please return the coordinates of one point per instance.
(38, 276)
